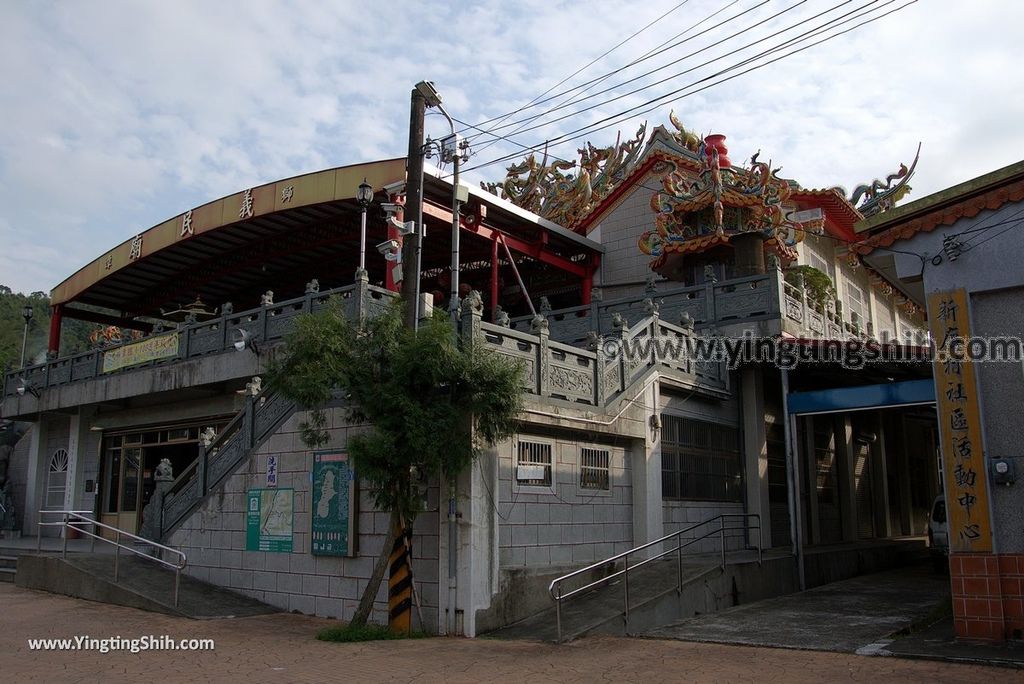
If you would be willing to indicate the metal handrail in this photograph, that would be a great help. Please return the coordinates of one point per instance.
(77, 520)
(556, 584)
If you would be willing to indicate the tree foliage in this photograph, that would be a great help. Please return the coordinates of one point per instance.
(74, 334)
(432, 403)
(819, 287)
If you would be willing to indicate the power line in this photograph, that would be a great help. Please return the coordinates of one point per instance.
(665, 66)
(589, 84)
(615, 119)
(584, 67)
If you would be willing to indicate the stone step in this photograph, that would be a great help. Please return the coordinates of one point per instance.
(7, 574)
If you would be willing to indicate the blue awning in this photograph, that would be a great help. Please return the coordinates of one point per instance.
(886, 395)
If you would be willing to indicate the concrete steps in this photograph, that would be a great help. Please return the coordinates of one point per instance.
(141, 584)
(8, 567)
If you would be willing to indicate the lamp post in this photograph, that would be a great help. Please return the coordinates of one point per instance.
(364, 195)
(26, 313)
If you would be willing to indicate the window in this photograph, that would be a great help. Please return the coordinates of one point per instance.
(700, 460)
(594, 469)
(533, 464)
(857, 301)
(817, 261)
(57, 479)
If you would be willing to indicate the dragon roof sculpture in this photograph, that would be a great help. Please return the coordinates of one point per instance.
(882, 196)
(550, 190)
(698, 211)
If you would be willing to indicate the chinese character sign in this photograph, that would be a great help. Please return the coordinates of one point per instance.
(956, 397)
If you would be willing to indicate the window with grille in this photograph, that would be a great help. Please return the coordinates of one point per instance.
(533, 464)
(594, 469)
(857, 301)
(700, 460)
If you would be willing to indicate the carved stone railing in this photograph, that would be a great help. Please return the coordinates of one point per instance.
(266, 324)
(601, 373)
(738, 300)
(253, 425)
(751, 298)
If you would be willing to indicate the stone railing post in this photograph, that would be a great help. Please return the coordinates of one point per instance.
(472, 309)
(360, 297)
(539, 327)
(709, 302)
(620, 331)
(595, 343)
(595, 310)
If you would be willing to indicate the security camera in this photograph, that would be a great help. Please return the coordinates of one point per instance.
(396, 188)
(391, 208)
(388, 246)
(407, 228)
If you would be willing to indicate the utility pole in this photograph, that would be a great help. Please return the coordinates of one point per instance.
(413, 203)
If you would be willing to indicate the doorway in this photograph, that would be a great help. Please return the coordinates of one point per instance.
(130, 459)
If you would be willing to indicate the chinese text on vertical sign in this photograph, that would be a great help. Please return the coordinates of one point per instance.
(959, 424)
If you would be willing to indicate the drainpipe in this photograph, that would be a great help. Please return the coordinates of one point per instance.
(793, 481)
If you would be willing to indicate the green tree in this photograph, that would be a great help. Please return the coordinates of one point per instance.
(433, 403)
(819, 287)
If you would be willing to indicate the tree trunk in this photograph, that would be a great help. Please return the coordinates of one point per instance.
(370, 592)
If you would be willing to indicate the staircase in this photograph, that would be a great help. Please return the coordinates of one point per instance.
(8, 566)
(260, 418)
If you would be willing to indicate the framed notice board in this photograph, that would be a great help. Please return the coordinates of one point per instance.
(333, 507)
(269, 520)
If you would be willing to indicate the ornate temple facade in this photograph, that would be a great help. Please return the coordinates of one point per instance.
(574, 266)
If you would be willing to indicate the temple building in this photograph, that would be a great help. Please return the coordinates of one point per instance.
(758, 417)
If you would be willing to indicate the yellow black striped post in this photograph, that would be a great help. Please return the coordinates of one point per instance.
(400, 583)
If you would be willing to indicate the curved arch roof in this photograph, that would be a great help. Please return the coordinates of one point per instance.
(231, 249)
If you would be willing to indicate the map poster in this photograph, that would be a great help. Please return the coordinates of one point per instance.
(333, 505)
(269, 520)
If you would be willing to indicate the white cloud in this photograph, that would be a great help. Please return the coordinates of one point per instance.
(117, 116)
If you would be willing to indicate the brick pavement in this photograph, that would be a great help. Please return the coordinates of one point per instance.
(282, 648)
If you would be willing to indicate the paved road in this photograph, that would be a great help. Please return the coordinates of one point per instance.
(281, 648)
(842, 616)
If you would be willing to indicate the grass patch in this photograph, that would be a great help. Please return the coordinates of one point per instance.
(344, 633)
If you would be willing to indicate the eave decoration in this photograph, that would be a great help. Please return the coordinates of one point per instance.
(878, 195)
(565, 191)
(698, 211)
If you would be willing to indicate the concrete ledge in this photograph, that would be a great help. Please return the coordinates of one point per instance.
(58, 576)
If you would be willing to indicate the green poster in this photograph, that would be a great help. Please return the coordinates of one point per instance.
(269, 520)
(333, 504)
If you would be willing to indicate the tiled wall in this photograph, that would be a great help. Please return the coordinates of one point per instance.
(623, 261)
(567, 526)
(214, 539)
(988, 595)
(684, 514)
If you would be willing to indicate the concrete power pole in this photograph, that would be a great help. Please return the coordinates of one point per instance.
(413, 203)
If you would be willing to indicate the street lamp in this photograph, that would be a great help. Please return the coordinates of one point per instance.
(364, 195)
(26, 313)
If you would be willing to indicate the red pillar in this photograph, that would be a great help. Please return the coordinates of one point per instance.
(57, 313)
(494, 275)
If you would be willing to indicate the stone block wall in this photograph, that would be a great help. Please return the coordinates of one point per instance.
(213, 537)
(565, 525)
(682, 514)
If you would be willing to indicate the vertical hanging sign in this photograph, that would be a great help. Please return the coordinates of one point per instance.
(956, 396)
(333, 507)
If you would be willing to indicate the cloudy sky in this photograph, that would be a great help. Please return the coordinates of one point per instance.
(117, 115)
